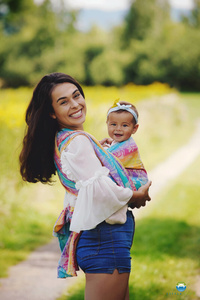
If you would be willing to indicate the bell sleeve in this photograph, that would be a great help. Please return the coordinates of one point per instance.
(98, 197)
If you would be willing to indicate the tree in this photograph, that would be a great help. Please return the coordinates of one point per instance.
(35, 39)
(143, 18)
(13, 14)
(106, 68)
(194, 18)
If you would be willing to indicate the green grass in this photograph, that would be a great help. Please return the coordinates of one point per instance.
(26, 221)
(192, 101)
(27, 211)
(166, 244)
(164, 125)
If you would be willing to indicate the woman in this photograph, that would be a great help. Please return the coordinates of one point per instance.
(96, 184)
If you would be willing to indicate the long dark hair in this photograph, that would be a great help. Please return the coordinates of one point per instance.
(36, 158)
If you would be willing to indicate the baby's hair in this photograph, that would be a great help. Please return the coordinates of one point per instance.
(121, 110)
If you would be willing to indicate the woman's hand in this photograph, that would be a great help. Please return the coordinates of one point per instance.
(140, 196)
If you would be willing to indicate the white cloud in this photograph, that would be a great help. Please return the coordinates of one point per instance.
(38, 1)
(99, 4)
(116, 4)
(182, 4)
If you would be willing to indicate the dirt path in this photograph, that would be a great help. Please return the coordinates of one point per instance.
(35, 278)
(166, 172)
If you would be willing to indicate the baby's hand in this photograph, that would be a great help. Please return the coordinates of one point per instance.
(106, 142)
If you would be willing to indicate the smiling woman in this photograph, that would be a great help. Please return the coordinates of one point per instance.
(69, 106)
(96, 185)
(36, 158)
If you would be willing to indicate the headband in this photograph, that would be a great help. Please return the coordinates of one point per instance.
(118, 106)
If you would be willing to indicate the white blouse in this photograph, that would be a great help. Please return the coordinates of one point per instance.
(98, 197)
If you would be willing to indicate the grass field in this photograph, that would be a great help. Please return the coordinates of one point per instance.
(166, 246)
(29, 211)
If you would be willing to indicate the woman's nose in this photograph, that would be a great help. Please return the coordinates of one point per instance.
(73, 103)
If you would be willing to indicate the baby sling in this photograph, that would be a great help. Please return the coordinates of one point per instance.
(67, 239)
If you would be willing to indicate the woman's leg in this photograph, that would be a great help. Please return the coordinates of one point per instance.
(106, 286)
(127, 294)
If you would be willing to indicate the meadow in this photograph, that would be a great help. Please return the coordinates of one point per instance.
(28, 211)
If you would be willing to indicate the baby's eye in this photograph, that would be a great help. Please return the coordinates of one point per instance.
(125, 125)
(113, 124)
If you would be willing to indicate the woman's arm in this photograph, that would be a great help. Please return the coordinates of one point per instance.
(99, 196)
(140, 196)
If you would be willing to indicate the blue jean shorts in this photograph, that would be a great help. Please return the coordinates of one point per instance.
(106, 247)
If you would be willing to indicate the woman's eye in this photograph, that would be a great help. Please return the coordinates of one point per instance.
(77, 95)
(63, 102)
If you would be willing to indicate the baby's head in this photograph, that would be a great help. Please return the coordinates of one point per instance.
(122, 121)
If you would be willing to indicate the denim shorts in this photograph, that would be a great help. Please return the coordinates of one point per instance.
(106, 247)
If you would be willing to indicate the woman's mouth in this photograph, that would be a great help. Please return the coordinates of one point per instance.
(77, 114)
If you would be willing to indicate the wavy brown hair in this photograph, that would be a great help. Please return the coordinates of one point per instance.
(37, 155)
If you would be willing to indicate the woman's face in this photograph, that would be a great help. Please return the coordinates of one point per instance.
(69, 106)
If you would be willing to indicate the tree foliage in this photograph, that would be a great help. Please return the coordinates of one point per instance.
(148, 46)
(143, 18)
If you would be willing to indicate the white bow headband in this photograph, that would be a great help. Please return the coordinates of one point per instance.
(119, 106)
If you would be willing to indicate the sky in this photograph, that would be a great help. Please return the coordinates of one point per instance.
(113, 11)
(116, 4)
(120, 4)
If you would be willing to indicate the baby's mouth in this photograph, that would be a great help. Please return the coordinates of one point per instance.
(118, 134)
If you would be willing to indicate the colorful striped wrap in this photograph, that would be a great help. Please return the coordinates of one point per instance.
(67, 239)
(127, 152)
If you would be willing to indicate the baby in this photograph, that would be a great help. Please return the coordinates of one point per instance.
(122, 122)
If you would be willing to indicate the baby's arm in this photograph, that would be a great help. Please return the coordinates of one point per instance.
(106, 142)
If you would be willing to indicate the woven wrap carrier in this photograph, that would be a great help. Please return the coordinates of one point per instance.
(127, 152)
(68, 239)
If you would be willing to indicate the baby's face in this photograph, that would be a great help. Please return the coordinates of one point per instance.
(121, 126)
